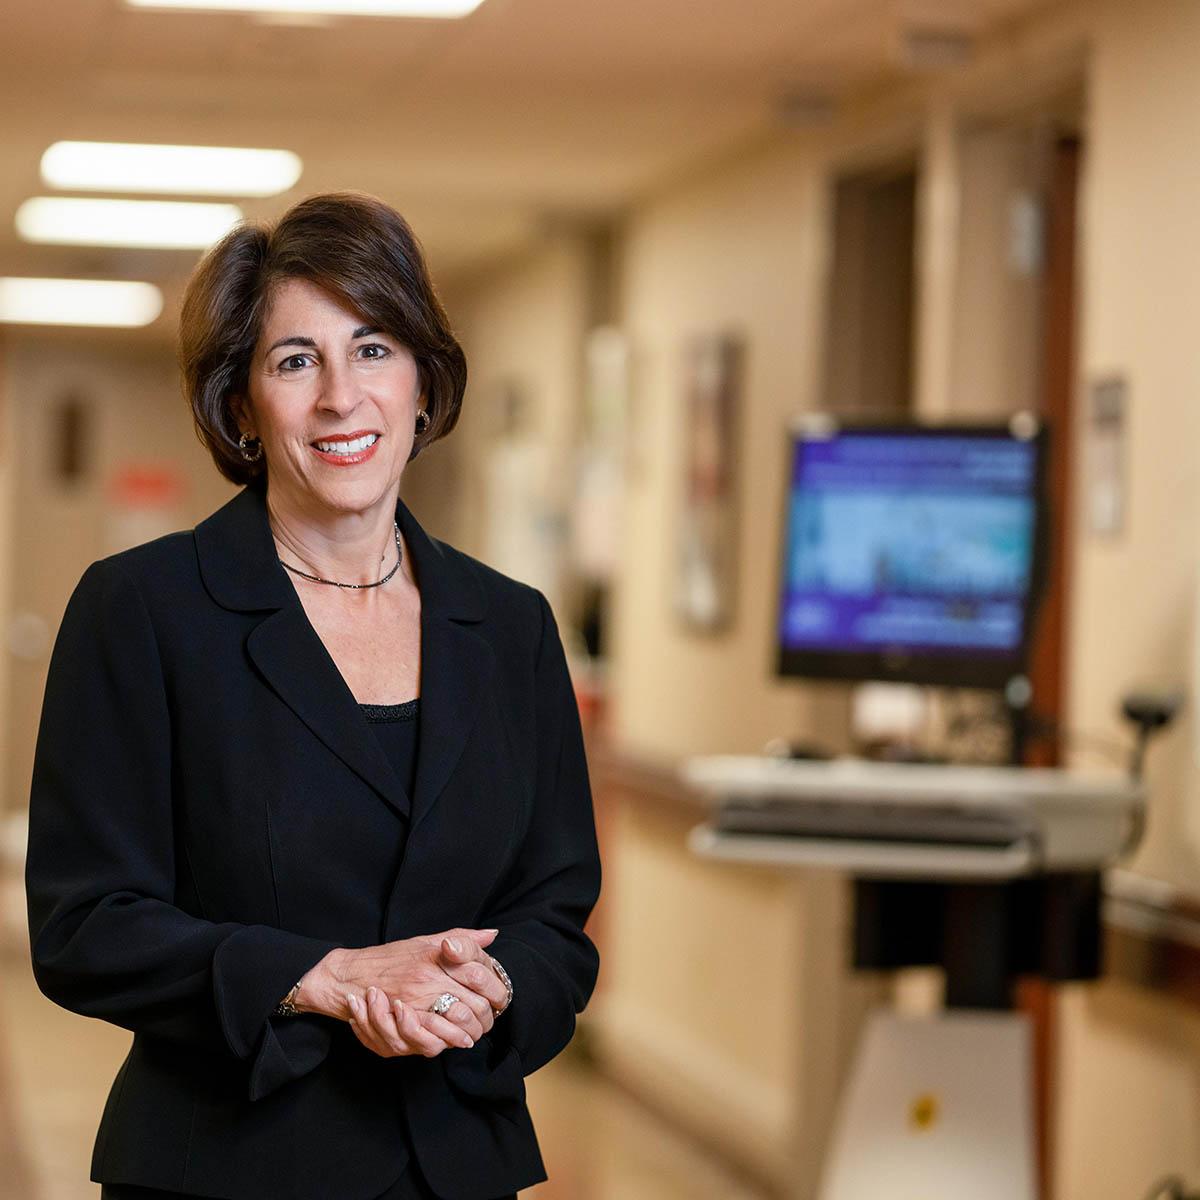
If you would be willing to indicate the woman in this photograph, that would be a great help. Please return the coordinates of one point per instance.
(310, 811)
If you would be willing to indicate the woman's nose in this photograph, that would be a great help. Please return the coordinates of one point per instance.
(339, 389)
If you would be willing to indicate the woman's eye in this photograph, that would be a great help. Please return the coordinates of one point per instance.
(293, 362)
(374, 350)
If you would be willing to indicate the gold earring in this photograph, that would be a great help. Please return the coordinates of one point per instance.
(244, 446)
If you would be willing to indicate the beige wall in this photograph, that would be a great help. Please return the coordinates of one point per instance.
(743, 252)
(522, 327)
(721, 997)
(1129, 1091)
(132, 398)
(1129, 1069)
(7, 576)
(1134, 619)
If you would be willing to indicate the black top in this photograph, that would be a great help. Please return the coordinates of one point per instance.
(395, 726)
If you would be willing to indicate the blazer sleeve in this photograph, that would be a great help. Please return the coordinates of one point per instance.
(555, 881)
(106, 937)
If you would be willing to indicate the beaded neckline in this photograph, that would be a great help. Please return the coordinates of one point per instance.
(404, 711)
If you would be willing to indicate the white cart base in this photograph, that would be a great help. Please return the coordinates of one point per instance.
(937, 1108)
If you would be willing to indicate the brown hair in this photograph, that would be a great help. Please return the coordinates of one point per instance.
(354, 246)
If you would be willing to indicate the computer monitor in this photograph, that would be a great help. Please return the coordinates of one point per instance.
(912, 552)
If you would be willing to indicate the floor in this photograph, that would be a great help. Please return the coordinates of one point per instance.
(56, 1067)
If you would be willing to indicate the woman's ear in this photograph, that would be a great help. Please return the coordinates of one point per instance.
(237, 409)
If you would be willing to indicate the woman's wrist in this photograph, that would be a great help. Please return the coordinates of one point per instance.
(320, 990)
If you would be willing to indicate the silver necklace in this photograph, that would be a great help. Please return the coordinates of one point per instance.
(334, 582)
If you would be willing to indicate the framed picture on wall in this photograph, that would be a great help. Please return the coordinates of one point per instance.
(707, 537)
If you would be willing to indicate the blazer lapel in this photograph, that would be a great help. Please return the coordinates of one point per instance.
(456, 666)
(241, 570)
(294, 661)
(456, 662)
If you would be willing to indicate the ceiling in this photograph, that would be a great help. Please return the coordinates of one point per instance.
(479, 130)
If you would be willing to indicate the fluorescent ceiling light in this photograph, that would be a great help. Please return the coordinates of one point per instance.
(157, 224)
(78, 302)
(190, 170)
(329, 8)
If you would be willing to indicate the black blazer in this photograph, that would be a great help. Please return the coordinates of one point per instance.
(211, 814)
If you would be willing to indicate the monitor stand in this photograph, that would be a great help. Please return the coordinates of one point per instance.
(891, 721)
(1018, 699)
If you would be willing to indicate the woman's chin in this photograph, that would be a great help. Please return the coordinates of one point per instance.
(348, 494)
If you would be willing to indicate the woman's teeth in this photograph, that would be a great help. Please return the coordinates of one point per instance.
(348, 447)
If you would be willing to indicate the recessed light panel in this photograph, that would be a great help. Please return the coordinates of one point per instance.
(153, 224)
(325, 8)
(100, 302)
(187, 170)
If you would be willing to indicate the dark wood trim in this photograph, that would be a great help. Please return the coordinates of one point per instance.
(1035, 998)
(1048, 666)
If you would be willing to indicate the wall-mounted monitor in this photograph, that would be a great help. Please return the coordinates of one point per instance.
(912, 552)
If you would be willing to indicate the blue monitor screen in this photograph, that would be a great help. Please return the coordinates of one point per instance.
(908, 545)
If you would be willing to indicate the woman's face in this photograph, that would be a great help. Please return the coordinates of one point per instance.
(333, 400)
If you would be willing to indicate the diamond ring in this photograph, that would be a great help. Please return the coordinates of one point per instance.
(443, 1003)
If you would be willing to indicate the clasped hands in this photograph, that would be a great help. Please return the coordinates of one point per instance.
(385, 991)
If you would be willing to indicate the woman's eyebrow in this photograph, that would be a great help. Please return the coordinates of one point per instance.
(295, 339)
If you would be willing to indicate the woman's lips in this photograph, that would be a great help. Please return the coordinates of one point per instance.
(347, 460)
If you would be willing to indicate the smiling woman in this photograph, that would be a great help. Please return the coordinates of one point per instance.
(350, 266)
(316, 375)
(310, 812)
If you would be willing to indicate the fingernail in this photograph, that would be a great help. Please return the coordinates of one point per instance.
(370, 994)
(455, 945)
(353, 1001)
(399, 1004)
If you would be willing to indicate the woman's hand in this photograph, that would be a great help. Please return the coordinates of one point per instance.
(466, 961)
(393, 1029)
(411, 971)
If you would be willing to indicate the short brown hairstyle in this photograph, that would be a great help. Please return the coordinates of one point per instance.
(354, 246)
